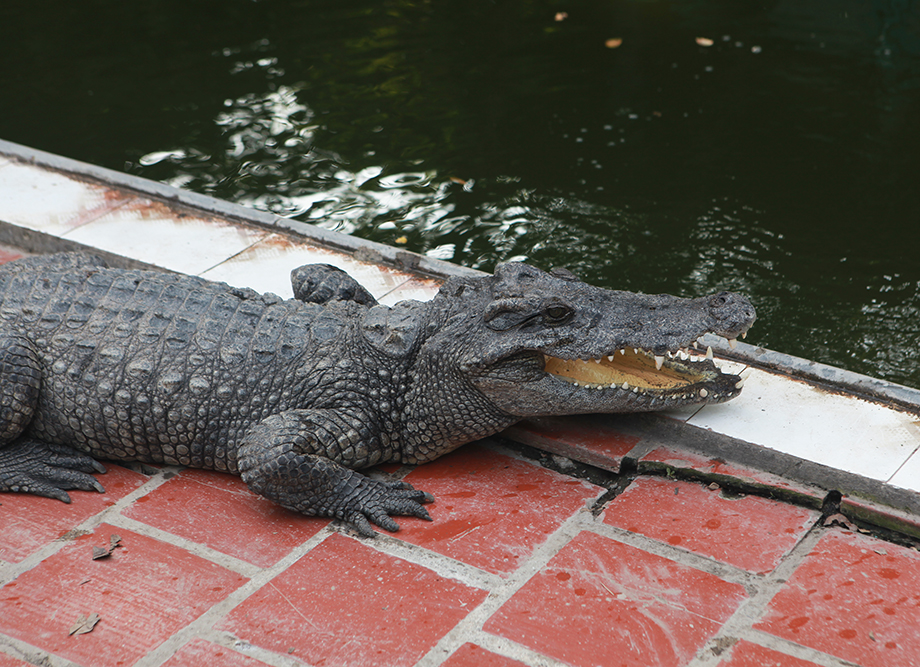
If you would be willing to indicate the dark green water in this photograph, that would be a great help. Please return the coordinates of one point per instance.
(782, 161)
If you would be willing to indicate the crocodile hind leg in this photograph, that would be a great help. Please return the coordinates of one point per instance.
(30, 466)
(295, 459)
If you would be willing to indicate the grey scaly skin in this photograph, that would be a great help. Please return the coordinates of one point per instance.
(297, 395)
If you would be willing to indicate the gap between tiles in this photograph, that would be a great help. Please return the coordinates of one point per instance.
(471, 626)
(204, 624)
(89, 524)
(761, 592)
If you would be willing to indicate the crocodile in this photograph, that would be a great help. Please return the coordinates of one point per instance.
(297, 396)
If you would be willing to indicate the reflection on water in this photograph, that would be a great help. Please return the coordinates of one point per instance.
(670, 146)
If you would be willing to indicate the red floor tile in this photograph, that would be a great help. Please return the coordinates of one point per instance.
(583, 438)
(199, 653)
(748, 532)
(471, 655)
(239, 522)
(144, 592)
(10, 661)
(600, 602)
(345, 603)
(746, 654)
(854, 597)
(29, 522)
(684, 460)
(491, 510)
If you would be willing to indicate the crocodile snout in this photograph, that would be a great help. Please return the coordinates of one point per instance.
(733, 313)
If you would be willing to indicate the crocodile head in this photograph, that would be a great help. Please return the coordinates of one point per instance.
(538, 343)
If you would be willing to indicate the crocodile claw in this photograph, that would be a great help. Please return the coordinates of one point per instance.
(47, 470)
(375, 501)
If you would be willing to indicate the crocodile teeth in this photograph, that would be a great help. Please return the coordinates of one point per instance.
(658, 362)
(610, 356)
(744, 335)
(704, 393)
(709, 353)
(623, 351)
(625, 386)
(732, 342)
(739, 383)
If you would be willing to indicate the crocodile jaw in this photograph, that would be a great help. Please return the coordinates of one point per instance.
(629, 380)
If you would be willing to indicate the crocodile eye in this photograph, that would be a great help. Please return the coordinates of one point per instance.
(557, 314)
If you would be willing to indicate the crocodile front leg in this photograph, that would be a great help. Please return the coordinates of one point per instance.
(296, 459)
(30, 466)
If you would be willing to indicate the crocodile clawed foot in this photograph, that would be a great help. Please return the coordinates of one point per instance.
(47, 470)
(376, 501)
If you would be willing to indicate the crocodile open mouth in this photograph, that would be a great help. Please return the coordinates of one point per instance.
(640, 371)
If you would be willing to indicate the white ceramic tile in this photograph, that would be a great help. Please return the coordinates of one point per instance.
(50, 202)
(908, 477)
(793, 417)
(157, 234)
(418, 289)
(267, 265)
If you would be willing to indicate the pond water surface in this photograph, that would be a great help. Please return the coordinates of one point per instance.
(771, 148)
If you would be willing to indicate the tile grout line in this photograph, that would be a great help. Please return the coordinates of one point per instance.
(741, 623)
(904, 463)
(513, 650)
(267, 235)
(32, 654)
(442, 565)
(226, 561)
(228, 641)
(86, 526)
(766, 640)
(471, 625)
(88, 216)
(707, 564)
(203, 625)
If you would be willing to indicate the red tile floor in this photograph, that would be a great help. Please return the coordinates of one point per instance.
(521, 565)
(515, 569)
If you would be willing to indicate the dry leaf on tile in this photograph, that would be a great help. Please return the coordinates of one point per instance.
(103, 552)
(839, 520)
(84, 624)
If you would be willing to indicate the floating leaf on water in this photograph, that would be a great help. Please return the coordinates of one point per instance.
(613, 42)
(704, 41)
